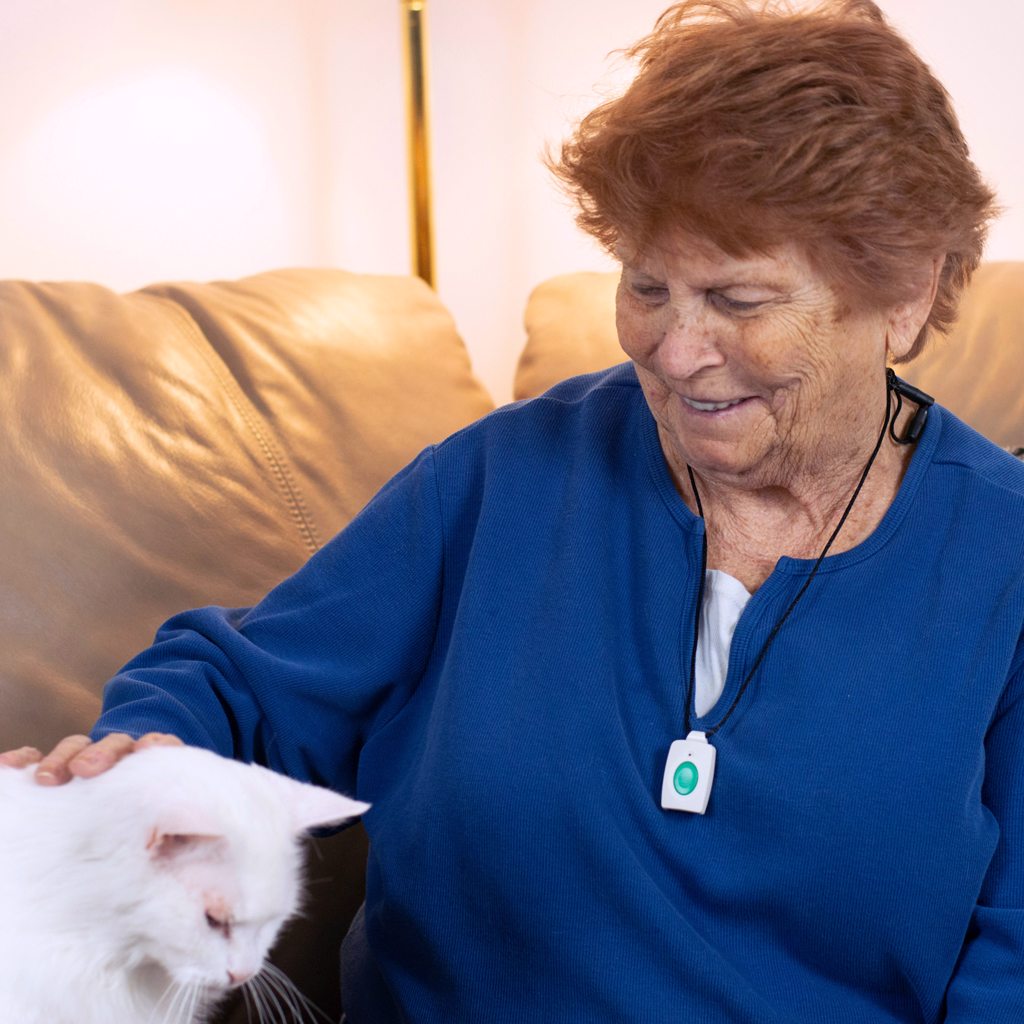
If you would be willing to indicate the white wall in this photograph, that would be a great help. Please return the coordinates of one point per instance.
(150, 139)
(141, 140)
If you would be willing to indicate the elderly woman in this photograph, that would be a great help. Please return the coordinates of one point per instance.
(694, 690)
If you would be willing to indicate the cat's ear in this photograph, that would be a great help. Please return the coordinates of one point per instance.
(314, 806)
(172, 847)
(181, 833)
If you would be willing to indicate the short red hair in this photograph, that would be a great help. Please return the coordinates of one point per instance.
(754, 127)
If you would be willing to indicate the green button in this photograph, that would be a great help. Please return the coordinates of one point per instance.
(685, 778)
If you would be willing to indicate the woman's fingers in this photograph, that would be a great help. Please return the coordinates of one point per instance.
(105, 753)
(53, 768)
(96, 758)
(78, 756)
(158, 739)
(20, 758)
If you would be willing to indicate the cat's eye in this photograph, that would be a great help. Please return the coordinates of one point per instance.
(218, 925)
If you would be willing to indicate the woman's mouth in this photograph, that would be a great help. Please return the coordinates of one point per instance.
(694, 403)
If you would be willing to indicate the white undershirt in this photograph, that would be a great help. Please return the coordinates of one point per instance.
(724, 600)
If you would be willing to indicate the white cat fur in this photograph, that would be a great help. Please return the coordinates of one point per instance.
(106, 884)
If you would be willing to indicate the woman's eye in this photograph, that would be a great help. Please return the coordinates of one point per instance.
(651, 292)
(729, 305)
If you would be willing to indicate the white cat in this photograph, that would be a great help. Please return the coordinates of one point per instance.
(143, 895)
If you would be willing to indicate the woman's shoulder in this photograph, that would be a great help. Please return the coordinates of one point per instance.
(586, 429)
(962, 450)
(567, 406)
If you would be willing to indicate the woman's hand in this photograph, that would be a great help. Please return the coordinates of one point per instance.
(78, 756)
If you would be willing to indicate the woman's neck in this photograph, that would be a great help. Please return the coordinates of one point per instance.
(750, 527)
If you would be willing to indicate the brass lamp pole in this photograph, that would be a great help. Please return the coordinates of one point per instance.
(414, 24)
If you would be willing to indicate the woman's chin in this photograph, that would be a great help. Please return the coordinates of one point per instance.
(727, 458)
(729, 470)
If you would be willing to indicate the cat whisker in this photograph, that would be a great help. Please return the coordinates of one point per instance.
(163, 1011)
(296, 998)
(173, 1001)
(280, 1004)
(248, 1004)
(156, 1014)
(313, 850)
(294, 1006)
(253, 1004)
(287, 992)
(199, 999)
(266, 1007)
(274, 996)
(289, 1010)
(190, 1000)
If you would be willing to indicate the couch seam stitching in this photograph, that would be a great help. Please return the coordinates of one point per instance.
(277, 462)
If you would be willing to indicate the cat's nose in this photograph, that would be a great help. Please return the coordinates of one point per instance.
(236, 978)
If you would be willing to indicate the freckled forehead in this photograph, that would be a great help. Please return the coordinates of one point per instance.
(702, 264)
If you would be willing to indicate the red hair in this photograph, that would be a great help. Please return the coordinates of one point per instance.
(755, 127)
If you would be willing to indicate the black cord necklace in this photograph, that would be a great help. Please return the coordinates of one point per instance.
(689, 769)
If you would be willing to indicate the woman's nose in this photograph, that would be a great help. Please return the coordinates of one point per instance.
(689, 344)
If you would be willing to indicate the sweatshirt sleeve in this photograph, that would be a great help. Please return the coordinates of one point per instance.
(988, 985)
(298, 681)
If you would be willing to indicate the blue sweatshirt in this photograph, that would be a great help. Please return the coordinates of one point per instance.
(494, 653)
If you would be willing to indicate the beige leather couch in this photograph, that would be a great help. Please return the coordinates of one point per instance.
(193, 444)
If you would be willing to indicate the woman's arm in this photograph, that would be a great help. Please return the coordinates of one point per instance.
(988, 984)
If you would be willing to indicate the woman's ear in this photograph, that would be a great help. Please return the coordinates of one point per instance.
(908, 318)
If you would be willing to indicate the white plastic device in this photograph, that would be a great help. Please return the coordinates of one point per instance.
(689, 773)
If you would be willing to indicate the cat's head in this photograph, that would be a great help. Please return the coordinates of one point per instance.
(218, 861)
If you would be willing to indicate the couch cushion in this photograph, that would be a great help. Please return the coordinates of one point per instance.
(192, 444)
(570, 329)
(976, 371)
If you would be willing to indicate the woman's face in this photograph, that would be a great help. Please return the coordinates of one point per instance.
(755, 373)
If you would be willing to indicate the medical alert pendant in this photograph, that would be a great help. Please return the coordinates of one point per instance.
(689, 772)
